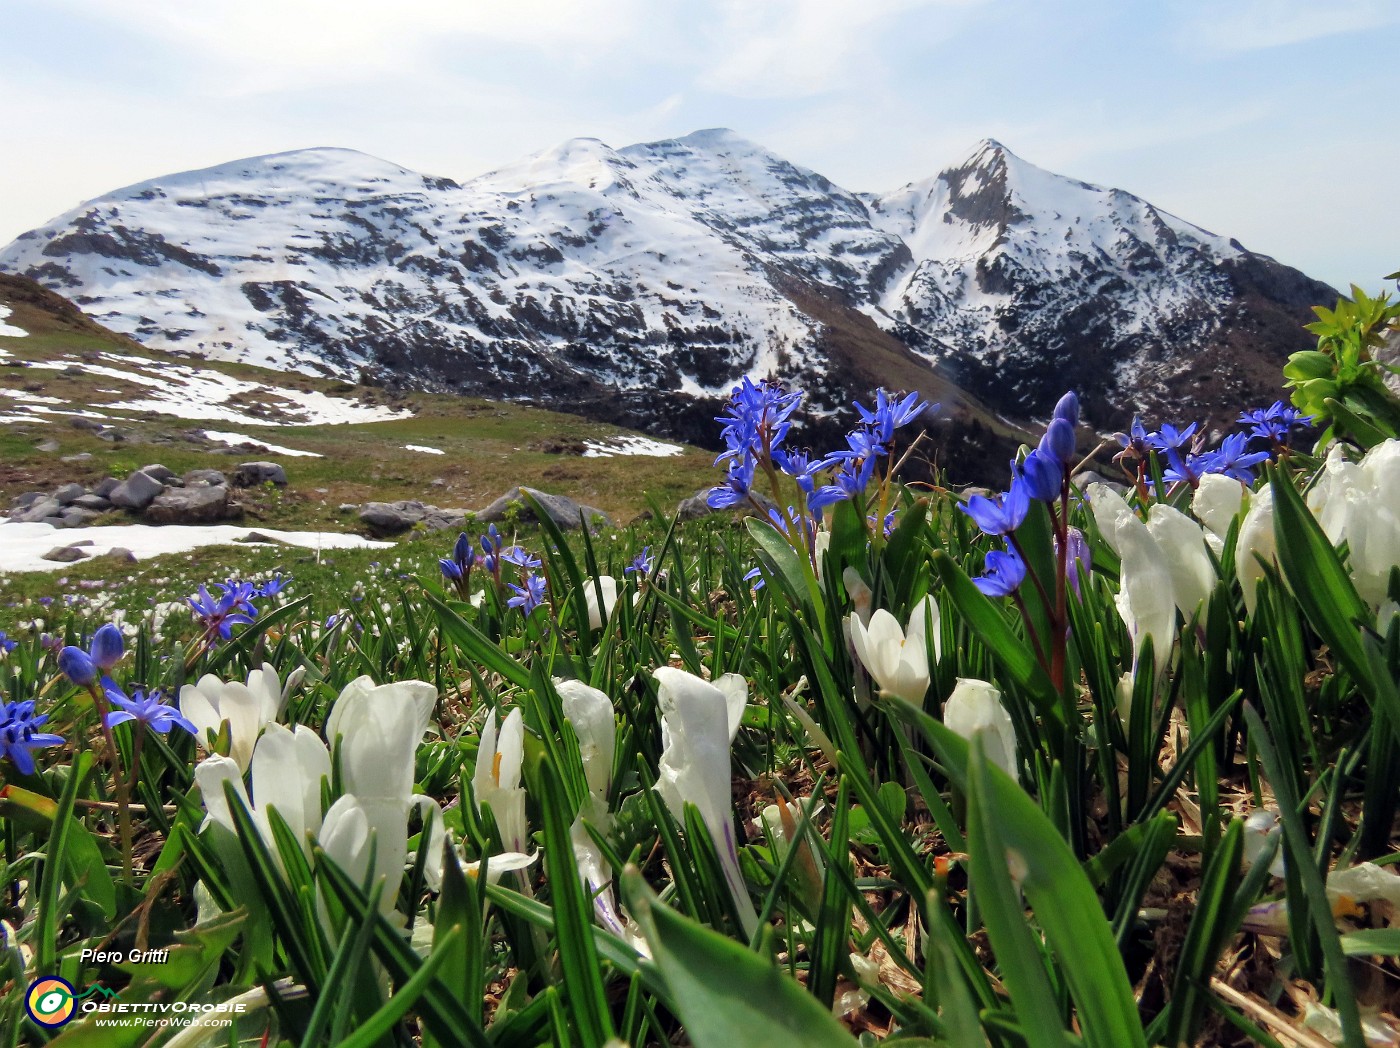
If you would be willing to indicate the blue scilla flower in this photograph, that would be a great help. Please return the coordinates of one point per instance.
(1042, 474)
(1233, 460)
(1137, 442)
(529, 596)
(520, 557)
(1004, 513)
(19, 735)
(1067, 408)
(889, 415)
(1275, 423)
(7, 645)
(1002, 573)
(273, 586)
(1079, 561)
(1058, 441)
(759, 417)
(218, 615)
(450, 569)
(641, 563)
(84, 667)
(148, 708)
(738, 482)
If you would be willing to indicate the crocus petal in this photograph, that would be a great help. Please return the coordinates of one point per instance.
(590, 712)
(210, 775)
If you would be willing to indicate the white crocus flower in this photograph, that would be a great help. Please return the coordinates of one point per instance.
(1261, 825)
(1109, 508)
(288, 769)
(698, 724)
(248, 708)
(1146, 598)
(1216, 504)
(590, 712)
(500, 864)
(1358, 503)
(1182, 543)
(896, 658)
(597, 615)
(496, 781)
(975, 708)
(1256, 543)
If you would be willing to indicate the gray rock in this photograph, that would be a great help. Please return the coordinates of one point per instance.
(200, 505)
(48, 445)
(348, 507)
(258, 537)
(252, 474)
(698, 506)
(205, 478)
(69, 493)
(1083, 479)
(41, 510)
(92, 502)
(112, 435)
(136, 492)
(393, 518)
(77, 517)
(27, 499)
(82, 456)
(105, 487)
(64, 554)
(120, 554)
(161, 473)
(78, 422)
(563, 511)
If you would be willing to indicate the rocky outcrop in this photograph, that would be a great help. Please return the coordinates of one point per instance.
(564, 512)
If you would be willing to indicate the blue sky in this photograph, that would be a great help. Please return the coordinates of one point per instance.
(1267, 120)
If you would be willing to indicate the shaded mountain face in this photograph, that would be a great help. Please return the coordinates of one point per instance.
(639, 284)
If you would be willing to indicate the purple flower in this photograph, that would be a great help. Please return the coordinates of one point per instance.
(520, 558)
(1058, 442)
(759, 419)
(1232, 460)
(529, 596)
(1043, 475)
(18, 736)
(148, 708)
(890, 415)
(7, 645)
(275, 585)
(1078, 559)
(737, 483)
(641, 564)
(1067, 408)
(107, 647)
(77, 666)
(1004, 513)
(218, 615)
(1002, 574)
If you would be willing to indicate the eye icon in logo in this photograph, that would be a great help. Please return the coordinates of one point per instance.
(50, 1002)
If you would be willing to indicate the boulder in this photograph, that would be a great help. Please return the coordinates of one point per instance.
(77, 517)
(64, 554)
(253, 474)
(92, 502)
(27, 499)
(69, 494)
(104, 488)
(563, 511)
(205, 478)
(161, 473)
(392, 518)
(198, 505)
(112, 435)
(78, 422)
(698, 506)
(120, 554)
(136, 492)
(41, 510)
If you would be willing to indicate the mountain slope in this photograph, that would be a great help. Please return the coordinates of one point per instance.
(642, 282)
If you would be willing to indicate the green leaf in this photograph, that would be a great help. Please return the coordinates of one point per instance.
(724, 994)
(1372, 942)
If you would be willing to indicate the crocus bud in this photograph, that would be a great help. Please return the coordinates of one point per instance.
(77, 666)
(107, 647)
(1067, 408)
(1058, 442)
(975, 708)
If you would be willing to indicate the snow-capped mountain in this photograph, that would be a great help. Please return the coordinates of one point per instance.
(641, 282)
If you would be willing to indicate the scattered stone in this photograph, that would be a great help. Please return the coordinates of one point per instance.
(38, 511)
(112, 435)
(77, 517)
(437, 482)
(205, 478)
(27, 499)
(69, 493)
(563, 511)
(254, 474)
(260, 537)
(106, 486)
(201, 505)
(48, 445)
(82, 456)
(393, 518)
(120, 554)
(93, 502)
(64, 554)
(136, 492)
(348, 507)
(78, 422)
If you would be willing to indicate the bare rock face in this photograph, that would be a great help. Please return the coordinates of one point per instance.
(564, 512)
(193, 505)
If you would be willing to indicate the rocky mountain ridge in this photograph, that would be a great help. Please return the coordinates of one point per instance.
(640, 283)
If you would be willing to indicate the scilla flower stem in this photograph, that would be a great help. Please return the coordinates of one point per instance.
(119, 781)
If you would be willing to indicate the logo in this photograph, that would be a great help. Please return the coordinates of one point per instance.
(50, 1002)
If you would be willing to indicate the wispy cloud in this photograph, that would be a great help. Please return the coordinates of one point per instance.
(1232, 26)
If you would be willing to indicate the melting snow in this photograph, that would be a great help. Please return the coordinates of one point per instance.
(424, 450)
(9, 330)
(24, 544)
(271, 449)
(625, 445)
